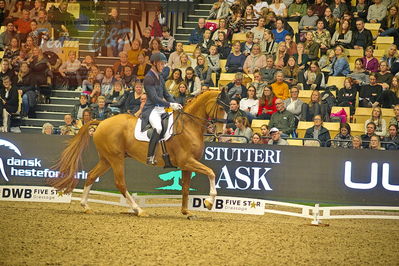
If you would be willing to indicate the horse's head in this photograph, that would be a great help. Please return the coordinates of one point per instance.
(217, 108)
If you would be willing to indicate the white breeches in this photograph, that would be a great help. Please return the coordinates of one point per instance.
(155, 118)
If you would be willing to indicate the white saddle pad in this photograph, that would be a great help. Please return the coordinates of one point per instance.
(142, 136)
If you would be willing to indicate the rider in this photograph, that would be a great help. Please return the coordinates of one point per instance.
(158, 98)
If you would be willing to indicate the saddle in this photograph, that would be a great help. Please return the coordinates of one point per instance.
(166, 133)
(164, 120)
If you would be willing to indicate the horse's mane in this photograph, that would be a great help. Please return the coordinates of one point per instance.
(200, 99)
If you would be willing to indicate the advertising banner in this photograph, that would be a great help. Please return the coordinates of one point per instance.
(283, 173)
(33, 194)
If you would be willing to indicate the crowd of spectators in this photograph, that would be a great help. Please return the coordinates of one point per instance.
(271, 66)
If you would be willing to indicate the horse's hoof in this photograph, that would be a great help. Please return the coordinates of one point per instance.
(141, 213)
(88, 211)
(192, 217)
(208, 204)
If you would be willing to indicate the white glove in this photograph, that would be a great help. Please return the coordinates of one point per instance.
(176, 106)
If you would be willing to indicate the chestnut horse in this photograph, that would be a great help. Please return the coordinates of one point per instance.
(114, 140)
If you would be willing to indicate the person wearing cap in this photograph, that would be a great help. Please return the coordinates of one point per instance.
(158, 98)
(276, 137)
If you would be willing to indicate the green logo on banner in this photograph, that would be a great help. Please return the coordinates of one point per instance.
(176, 177)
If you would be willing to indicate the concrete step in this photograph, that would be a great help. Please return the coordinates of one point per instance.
(202, 12)
(50, 115)
(55, 108)
(36, 122)
(64, 101)
(190, 24)
(181, 30)
(31, 130)
(65, 94)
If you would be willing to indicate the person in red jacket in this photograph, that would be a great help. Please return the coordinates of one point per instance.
(267, 104)
(23, 25)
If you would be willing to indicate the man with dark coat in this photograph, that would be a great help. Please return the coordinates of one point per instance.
(158, 98)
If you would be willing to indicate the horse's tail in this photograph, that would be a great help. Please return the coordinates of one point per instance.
(70, 159)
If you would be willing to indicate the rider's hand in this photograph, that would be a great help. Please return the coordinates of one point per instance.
(176, 106)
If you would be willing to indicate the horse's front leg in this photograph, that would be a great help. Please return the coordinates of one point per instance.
(186, 179)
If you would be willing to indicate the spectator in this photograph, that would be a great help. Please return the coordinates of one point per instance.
(280, 88)
(12, 51)
(330, 21)
(16, 10)
(250, 19)
(174, 80)
(6, 70)
(340, 64)
(294, 104)
(146, 39)
(370, 63)
(267, 104)
(96, 92)
(193, 58)
(392, 137)
(376, 12)
(268, 45)
(203, 71)
(314, 107)
(85, 68)
(319, 8)
(34, 12)
(223, 46)
(264, 132)
(370, 131)
(135, 99)
(390, 24)
(291, 47)
(259, 5)
(322, 36)
(250, 104)
(236, 89)
(359, 74)
(43, 26)
(206, 42)
(357, 143)
(361, 9)
(391, 56)
(184, 64)
(193, 82)
(181, 94)
(63, 22)
(87, 117)
(256, 139)
(101, 111)
(338, 8)
(47, 129)
(116, 99)
(134, 52)
(283, 119)
(379, 122)
(69, 128)
(174, 58)
(235, 22)
(311, 79)
(268, 72)
(395, 120)
(69, 70)
(24, 85)
(114, 27)
(222, 28)
(8, 103)
(168, 42)
(291, 71)
(142, 67)
(246, 46)
(213, 60)
(279, 32)
(233, 113)
(39, 67)
(308, 22)
(343, 36)
(258, 84)
(196, 35)
(155, 47)
(219, 10)
(301, 58)
(384, 76)
(346, 97)
(311, 47)
(279, 8)
(276, 137)
(281, 56)
(94, 76)
(83, 104)
(370, 94)
(375, 143)
(254, 61)
(159, 21)
(242, 129)
(318, 132)
(259, 30)
(362, 37)
(7, 35)
(34, 33)
(297, 10)
(235, 60)
(344, 137)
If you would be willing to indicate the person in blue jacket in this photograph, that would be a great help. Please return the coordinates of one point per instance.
(340, 64)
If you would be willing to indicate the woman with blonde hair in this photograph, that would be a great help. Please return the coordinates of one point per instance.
(279, 8)
(375, 143)
(184, 64)
(268, 45)
(193, 58)
(314, 107)
(242, 129)
(357, 143)
(281, 56)
(311, 79)
(376, 117)
(203, 71)
(255, 60)
(180, 95)
(390, 24)
(340, 64)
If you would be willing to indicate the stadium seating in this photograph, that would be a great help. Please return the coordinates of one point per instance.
(383, 43)
(373, 27)
(295, 142)
(336, 81)
(189, 48)
(357, 129)
(304, 125)
(257, 123)
(222, 63)
(364, 113)
(239, 37)
(354, 54)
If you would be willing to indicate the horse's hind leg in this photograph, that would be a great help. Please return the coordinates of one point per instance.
(195, 166)
(101, 167)
(118, 165)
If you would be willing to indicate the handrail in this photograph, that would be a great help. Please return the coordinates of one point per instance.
(217, 138)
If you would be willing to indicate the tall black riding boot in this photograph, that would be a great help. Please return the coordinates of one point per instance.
(151, 148)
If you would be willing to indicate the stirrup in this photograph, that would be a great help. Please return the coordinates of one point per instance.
(151, 160)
